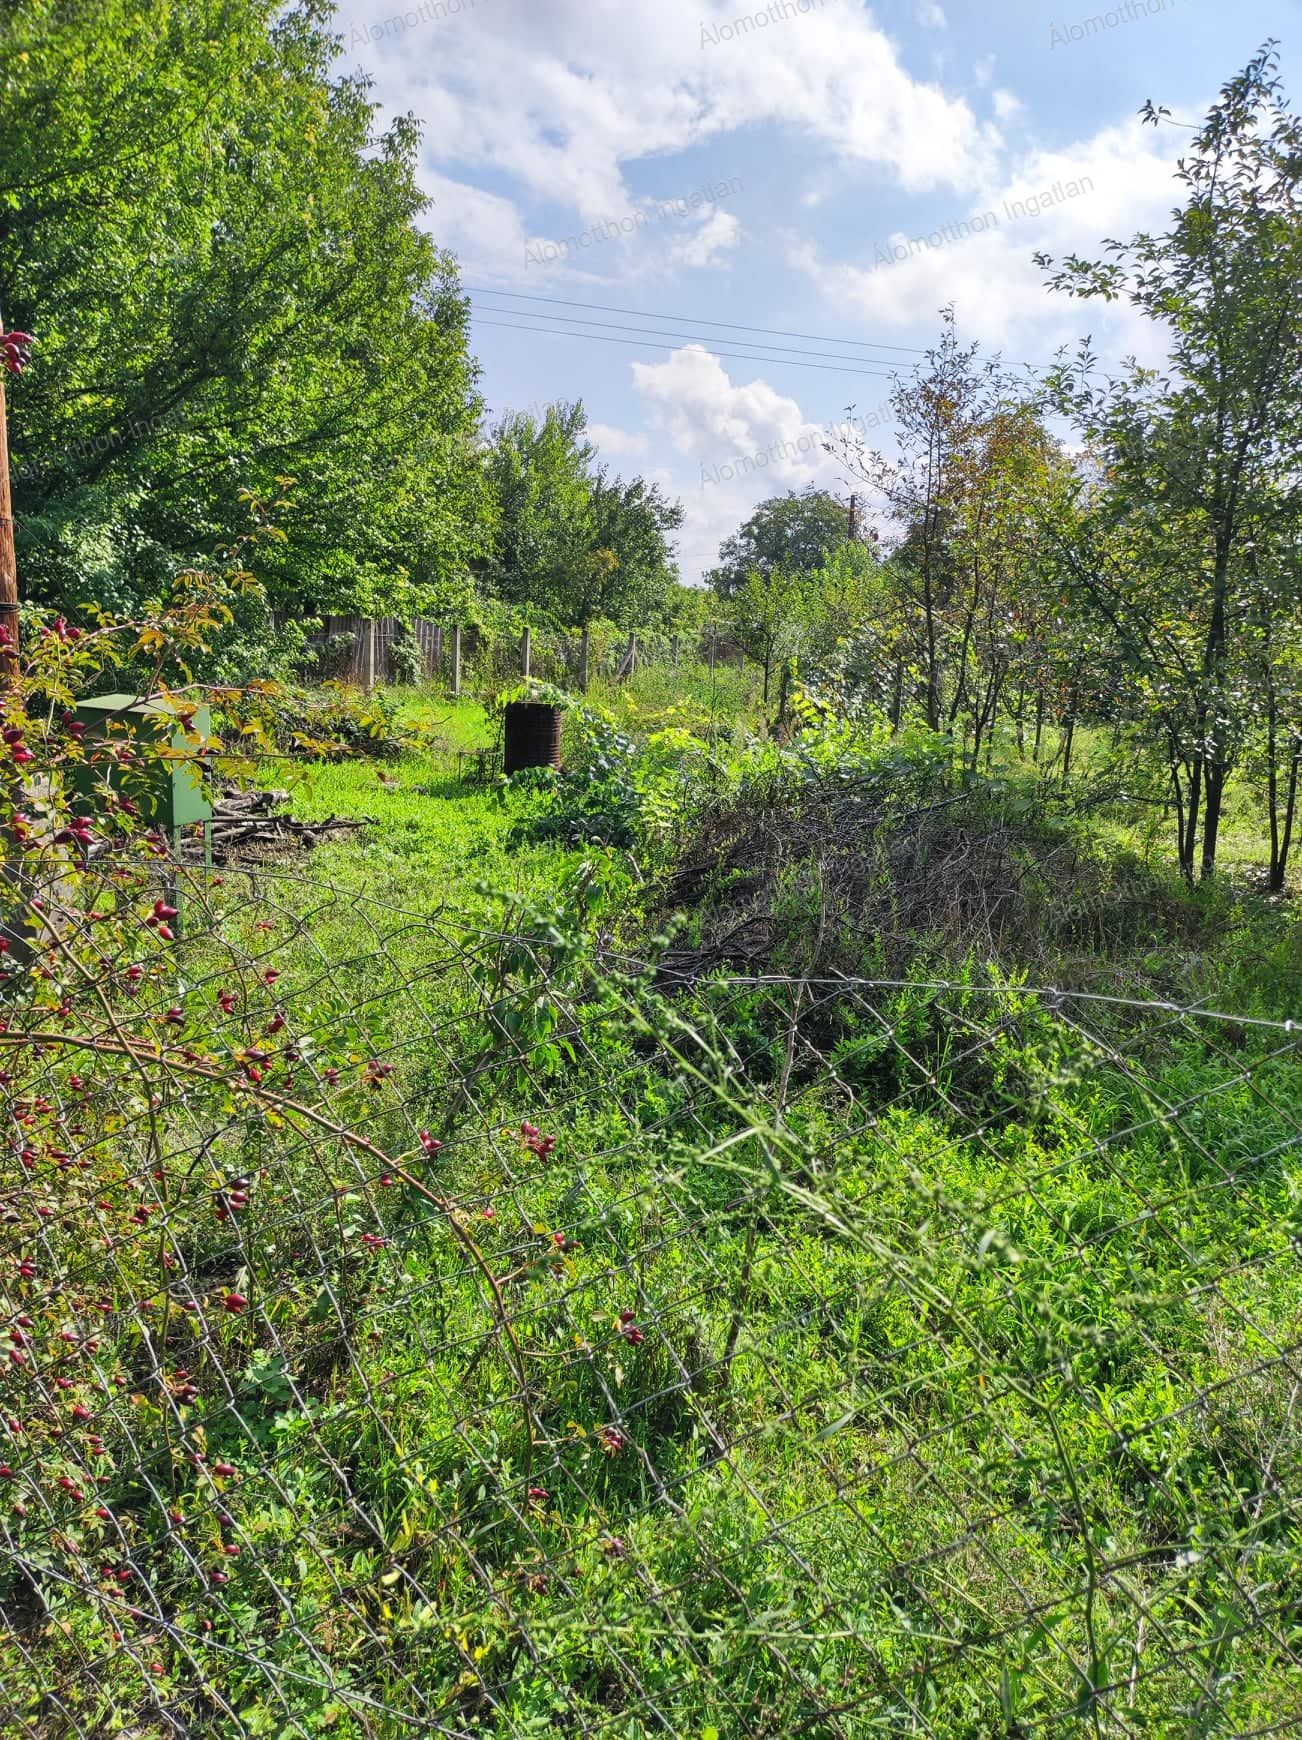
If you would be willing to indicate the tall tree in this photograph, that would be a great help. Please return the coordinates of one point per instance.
(572, 542)
(224, 264)
(795, 532)
(633, 520)
(1199, 480)
(539, 470)
(969, 448)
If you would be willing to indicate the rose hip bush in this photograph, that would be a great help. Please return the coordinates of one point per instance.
(224, 1223)
(185, 1168)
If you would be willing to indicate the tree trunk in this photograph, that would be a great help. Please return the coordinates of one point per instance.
(1214, 792)
(1189, 842)
(1281, 828)
(1215, 764)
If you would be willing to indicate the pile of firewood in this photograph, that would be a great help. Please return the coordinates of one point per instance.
(248, 824)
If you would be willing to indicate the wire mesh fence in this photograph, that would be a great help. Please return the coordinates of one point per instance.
(416, 1328)
(369, 651)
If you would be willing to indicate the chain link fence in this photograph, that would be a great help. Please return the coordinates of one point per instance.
(416, 1328)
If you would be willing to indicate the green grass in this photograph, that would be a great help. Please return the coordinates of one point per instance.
(962, 1401)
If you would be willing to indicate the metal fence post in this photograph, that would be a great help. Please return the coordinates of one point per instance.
(456, 662)
(585, 660)
(526, 650)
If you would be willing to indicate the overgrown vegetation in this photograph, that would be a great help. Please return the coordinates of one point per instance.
(786, 1226)
(424, 1310)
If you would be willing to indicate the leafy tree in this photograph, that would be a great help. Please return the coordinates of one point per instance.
(963, 579)
(633, 520)
(539, 470)
(796, 531)
(1199, 494)
(573, 543)
(222, 261)
(771, 615)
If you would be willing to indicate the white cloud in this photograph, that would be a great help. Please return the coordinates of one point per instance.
(486, 232)
(713, 239)
(1007, 105)
(559, 98)
(618, 443)
(989, 274)
(744, 440)
(929, 13)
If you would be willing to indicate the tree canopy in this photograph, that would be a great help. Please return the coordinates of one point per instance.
(572, 542)
(223, 263)
(796, 531)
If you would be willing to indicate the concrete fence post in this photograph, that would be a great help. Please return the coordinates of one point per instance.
(526, 652)
(585, 660)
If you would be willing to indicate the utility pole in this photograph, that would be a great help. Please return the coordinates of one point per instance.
(11, 358)
(854, 519)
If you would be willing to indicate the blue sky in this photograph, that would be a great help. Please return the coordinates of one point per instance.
(825, 170)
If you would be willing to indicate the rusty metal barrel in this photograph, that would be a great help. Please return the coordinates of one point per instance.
(533, 736)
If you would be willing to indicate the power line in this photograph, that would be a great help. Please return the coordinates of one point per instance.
(692, 320)
(726, 326)
(691, 337)
(641, 344)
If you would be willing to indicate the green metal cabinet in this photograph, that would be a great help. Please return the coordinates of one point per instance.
(170, 793)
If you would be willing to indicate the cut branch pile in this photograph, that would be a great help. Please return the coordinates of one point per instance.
(249, 824)
(836, 875)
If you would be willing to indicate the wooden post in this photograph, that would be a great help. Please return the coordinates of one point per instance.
(632, 654)
(854, 519)
(585, 660)
(370, 652)
(8, 558)
(456, 663)
(526, 651)
(673, 651)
